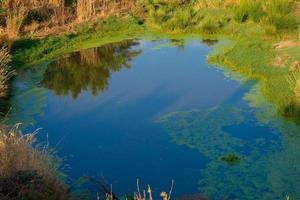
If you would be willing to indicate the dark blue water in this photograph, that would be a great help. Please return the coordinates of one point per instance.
(157, 111)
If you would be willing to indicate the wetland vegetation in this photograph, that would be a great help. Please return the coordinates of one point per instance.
(209, 87)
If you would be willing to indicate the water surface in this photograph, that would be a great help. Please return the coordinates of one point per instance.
(157, 111)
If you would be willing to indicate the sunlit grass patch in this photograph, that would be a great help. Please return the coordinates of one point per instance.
(248, 9)
(254, 59)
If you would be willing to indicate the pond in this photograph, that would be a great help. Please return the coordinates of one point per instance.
(156, 111)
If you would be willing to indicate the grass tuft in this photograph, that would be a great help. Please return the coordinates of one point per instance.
(28, 172)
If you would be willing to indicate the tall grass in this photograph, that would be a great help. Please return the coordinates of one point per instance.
(5, 71)
(14, 21)
(248, 9)
(280, 14)
(85, 9)
(28, 172)
(147, 195)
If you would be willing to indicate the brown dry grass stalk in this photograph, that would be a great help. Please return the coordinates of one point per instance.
(5, 71)
(18, 154)
(85, 9)
(14, 21)
(28, 172)
(143, 195)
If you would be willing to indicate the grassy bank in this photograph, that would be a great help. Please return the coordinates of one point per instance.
(88, 35)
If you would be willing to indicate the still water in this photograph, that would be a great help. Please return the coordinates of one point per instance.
(157, 111)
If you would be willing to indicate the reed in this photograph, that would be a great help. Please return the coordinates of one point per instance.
(14, 21)
(85, 9)
(147, 195)
(5, 71)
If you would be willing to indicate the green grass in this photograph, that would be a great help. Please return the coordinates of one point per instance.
(28, 51)
(248, 9)
(253, 58)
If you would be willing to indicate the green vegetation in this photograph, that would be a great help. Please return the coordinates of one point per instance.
(254, 28)
(91, 35)
(253, 37)
(248, 9)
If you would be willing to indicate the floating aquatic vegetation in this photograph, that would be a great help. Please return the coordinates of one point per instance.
(203, 129)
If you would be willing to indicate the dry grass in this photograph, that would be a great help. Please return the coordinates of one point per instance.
(286, 44)
(14, 21)
(63, 12)
(85, 9)
(5, 71)
(28, 172)
(17, 154)
(143, 195)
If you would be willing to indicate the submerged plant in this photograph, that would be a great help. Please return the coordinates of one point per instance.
(231, 159)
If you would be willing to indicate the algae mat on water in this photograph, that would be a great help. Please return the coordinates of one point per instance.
(267, 159)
